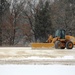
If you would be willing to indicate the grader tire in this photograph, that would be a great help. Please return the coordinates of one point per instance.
(69, 45)
(63, 47)
(57, 45)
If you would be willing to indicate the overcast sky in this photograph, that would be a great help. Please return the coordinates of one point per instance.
(36, 70)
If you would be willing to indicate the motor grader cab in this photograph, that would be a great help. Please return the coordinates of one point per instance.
(60, 33)
(59, 41)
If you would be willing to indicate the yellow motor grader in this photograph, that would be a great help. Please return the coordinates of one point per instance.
(60, 41)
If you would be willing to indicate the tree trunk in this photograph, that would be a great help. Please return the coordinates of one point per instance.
(0, 33)
(12, 37)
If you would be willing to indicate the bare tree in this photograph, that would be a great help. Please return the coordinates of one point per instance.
(29, 14)
(16, 11)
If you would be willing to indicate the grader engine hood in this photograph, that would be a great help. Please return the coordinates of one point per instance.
(71, 38)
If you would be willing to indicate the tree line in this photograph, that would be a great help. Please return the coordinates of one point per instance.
(34, 20)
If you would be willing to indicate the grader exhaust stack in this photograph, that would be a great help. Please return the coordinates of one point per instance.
(60, 41)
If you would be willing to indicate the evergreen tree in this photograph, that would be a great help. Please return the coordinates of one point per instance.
(3, 7)
(43, 21)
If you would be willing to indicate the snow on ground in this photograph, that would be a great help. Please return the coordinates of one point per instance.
(37, 70)
(22, 53)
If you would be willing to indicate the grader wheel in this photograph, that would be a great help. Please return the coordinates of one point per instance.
(63, 45)
(58, 45)
(69, 45)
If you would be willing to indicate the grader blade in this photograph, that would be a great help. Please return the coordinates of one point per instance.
(42, 45)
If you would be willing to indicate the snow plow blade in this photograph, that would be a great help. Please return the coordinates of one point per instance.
(42, 45)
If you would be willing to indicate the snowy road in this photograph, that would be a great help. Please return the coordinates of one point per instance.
(26, 55)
